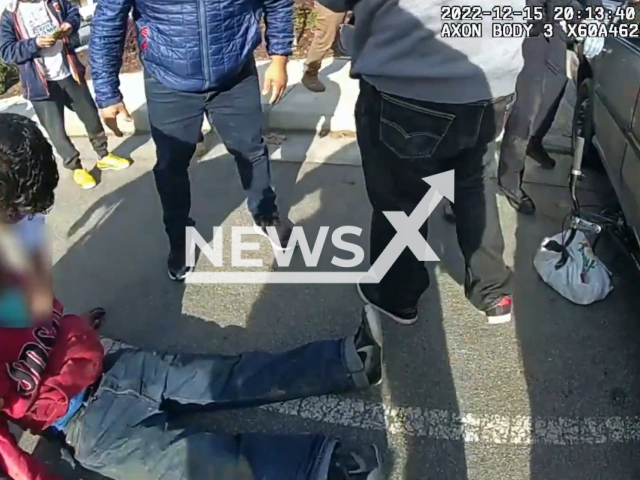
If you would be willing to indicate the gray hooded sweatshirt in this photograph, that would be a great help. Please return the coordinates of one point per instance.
(404, 47)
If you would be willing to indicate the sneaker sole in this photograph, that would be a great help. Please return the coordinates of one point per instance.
(375, 330)
(498, 319)
(179, 279)
(395, 318)
(106, 169)
(375, 326)
(89, 187)
(259, 231)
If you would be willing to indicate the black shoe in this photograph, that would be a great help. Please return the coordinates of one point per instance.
(281, 231)
(369, 294)
(537, 152)
(96, 318)
(501, 311)
(177, 265)
(368, 342)
(351, 464)
(177, 262)
(448, 214)
(521, 202)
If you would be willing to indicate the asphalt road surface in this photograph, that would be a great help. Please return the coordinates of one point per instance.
(553, 395)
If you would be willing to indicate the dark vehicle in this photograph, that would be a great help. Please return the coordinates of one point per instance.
(607, 112)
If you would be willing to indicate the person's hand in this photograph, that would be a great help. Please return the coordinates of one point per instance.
(110, 115)
(275, 79)
(592, 46)
(66, 29)
(46, 41)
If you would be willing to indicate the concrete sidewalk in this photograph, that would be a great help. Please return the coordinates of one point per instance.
(299, 110)
(306, 117)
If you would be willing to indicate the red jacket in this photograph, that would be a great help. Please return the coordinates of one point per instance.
(40, 370)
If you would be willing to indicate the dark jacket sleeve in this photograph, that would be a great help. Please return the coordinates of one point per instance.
(71, 14)
(12, 50)
(106, 46)
(278, 20)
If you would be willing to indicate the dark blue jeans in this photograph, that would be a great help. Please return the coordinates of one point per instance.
(402, 141)
(122, 433)
(234, 109)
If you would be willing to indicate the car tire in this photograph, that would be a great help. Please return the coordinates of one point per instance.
(582, 124)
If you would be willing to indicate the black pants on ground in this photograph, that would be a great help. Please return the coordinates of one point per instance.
(77, 97)
(401, 142)
(539, 90)
(235, 111)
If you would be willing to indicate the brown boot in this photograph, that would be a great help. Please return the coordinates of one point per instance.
(313, 83)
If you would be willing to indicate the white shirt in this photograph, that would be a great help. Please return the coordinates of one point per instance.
(38, 21)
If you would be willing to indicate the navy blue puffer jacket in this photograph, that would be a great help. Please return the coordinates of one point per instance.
(187, 45)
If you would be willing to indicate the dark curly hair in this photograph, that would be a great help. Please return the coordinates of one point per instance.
(28, 170)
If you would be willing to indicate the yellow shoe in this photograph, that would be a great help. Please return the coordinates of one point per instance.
(84, 179)
(113, 162)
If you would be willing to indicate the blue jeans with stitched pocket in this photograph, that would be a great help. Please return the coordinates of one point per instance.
(123, 431)
(402, 141)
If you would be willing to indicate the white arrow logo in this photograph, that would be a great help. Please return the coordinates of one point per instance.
(407, 235)
(408, 228)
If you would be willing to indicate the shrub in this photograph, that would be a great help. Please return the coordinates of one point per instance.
(8, 76)
(130, 57)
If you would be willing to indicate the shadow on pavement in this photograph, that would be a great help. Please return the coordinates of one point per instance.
(580, 362)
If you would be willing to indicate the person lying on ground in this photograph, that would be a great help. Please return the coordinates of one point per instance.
(111, 403)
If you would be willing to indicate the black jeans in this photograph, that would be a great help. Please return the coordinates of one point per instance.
(539, 90)
(235, 112)
(124, 431)
(401, 142)
(77, 97)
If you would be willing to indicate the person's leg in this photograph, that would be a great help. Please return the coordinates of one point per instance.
(175, 119)
(554, 87)
(87, 111)
(327, 23)
(236, 113)
(107, 442)
(122, 432)
(194, 382)
(392, 184)
(518, 129)
(50, 113)
(488, 281)
(394, 166)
